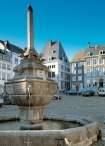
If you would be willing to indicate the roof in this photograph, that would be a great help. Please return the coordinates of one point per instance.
(55, 50)
(12, 47)
(78, 56)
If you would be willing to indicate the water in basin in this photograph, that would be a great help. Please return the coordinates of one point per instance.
(47, 125)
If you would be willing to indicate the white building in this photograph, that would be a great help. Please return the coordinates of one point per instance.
(56, 59)
(8, 60)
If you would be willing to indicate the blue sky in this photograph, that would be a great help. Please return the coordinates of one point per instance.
(73, 22)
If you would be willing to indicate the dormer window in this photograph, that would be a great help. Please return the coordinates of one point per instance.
(88, 54)
(101, 52)
(53, 51)
(49, 58)
(62, 58)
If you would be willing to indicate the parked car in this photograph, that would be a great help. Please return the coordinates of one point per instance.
(82, 90)
(73, 92)
(1, 101)
(6, 99)
(101, 92)
(57, 97)
(88, 92)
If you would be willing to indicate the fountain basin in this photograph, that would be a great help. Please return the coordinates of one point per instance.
(81, 136)
(42, 91)
(31, 103)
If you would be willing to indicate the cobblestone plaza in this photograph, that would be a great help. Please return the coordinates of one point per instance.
(90, 107)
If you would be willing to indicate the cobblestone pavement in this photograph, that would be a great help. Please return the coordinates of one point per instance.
(92, 107)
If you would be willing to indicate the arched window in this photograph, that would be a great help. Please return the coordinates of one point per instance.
(88, 54)
(49, 58)
(100, 52)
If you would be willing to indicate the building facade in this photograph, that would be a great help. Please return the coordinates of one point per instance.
(8, 60)
(56, 59)
(77, 71)
(94, 67)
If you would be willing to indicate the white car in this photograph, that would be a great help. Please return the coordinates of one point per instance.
(57, 97)
(101, 92)
(1, 101)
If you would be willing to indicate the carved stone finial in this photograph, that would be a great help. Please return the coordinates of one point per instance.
(30, 8)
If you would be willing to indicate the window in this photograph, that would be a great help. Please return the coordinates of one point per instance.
(53, 66)
(88, 73)
(62, 58)
(74, 64)
(16, 61)
(88, 83)
(87, 62)
(49, 58)
(53, 74)
(81, 85)
(64, 67)
(8, 76)
(94, 61)
(49, 74)
(0, 56)
(101, 52)
(79, 78)
(94, 72)
(88, 54)
(8, 67)
(79, 64)
(61, 67)
(74, 78)
(3, 66)
(68, 69)
(79, 71)
(49, 66)
(101, 61)
(3, 76)
(6, 58)
(68, 77)
(101, 71)
(0, 65)
(94, 82)
(0, 75)
(62, 86)
(53, 51)
(62, 75)
(74, 71)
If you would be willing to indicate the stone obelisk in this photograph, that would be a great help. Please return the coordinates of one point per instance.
(30, 28)
(30, 33)
(30, 88)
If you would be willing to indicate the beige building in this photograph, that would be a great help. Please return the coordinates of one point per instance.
(94, 67)
(77, 71)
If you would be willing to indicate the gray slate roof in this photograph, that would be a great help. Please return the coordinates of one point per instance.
(78, 56)
(94, 50)
(12, 47)
(55, 50)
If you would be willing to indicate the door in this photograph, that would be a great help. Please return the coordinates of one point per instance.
(100, 82)
(76, 87)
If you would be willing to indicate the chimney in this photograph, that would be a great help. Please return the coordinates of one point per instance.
(50, 42)
(5, 45)
(88, 44)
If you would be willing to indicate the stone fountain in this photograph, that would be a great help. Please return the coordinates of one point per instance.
(30, 88)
